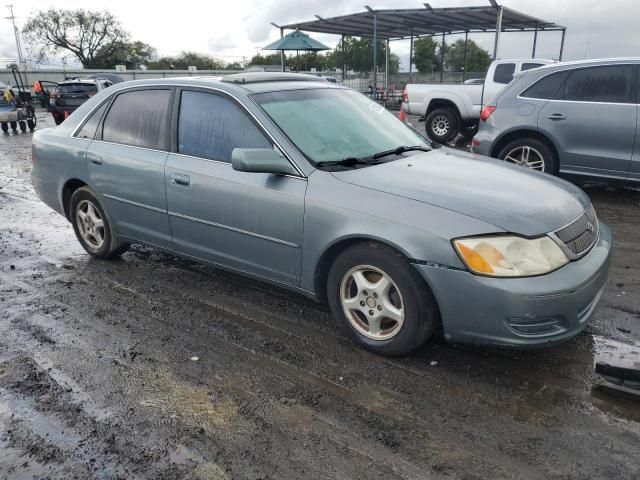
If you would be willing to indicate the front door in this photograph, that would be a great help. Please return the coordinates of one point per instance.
(593, 120)
(250, 222)
(126, 164)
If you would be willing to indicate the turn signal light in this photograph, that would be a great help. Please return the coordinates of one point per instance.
(486, 112)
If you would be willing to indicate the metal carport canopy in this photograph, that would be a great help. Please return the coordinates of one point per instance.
(395, 24)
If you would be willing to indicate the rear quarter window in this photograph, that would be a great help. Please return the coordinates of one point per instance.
(547, 87)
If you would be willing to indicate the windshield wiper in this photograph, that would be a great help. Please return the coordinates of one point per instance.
(399, 150)
(347, 162)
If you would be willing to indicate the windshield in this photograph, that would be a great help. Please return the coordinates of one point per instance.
(77, 88)
(329, 124)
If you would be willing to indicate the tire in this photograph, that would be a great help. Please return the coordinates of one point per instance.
(5, 127)
(89, 232)
(442, 125)
(23, 126)
(407, 292)
(31, 123)
(14, 126)
(514, 152)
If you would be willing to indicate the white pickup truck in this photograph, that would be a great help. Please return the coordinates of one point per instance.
(450, 109)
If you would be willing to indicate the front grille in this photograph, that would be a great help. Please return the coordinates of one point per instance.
(580, 235)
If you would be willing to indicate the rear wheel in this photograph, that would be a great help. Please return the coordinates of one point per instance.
(92, 227)
(23, 126)
(442, 125)
(380, 300)
(31, 123)
(531, 153)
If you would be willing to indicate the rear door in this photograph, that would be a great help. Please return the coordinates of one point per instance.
(126, 163)
(593, 120)
(72, 95)
(634, 167)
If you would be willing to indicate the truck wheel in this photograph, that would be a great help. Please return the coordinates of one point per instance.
(380, 300)
(5, 127)
(531, 153)
(442, 125)
(23, 126)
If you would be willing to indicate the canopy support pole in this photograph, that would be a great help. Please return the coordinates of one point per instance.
(464, 60)
(535, 40)
(344, 63)
(282, 51)
(386, 66)
(375, 55)
(498, 29)
(411, 57)
(564, 30)
(442, 59)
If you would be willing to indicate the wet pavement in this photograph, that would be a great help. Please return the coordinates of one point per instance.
(152, 367)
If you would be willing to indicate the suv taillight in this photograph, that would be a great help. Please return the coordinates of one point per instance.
(487, 112)
(405, 95)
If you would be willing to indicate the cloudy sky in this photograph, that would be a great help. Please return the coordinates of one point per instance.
(233, 29)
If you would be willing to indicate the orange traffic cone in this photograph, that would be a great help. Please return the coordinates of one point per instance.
(402, 116)
(66, 114)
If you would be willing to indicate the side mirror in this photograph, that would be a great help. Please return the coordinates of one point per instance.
(261, 160)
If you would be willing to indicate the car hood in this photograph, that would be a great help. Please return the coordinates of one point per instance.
(510, 197)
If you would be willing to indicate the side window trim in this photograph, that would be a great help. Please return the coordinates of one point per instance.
(167, 135)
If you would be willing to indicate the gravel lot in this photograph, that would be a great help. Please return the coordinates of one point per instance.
(152, 367)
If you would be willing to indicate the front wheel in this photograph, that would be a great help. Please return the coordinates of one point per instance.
(531, 153)
(381, 302)
(442, 125)
(92, 227)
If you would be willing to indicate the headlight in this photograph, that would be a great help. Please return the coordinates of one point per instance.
(509, 256)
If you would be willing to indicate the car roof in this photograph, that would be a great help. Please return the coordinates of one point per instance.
(71, 81)
(254, 82)
(593, 61)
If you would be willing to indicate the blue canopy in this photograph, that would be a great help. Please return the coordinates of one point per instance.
(296, 41)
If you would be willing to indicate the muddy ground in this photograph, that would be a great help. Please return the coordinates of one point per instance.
(151, 367)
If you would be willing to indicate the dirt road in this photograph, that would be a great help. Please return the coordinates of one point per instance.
(151, 367)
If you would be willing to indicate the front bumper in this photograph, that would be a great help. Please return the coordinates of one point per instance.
(521, 312)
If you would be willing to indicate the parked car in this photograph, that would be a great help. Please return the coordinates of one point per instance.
(452, 109)
(70, 94)
(575, 118)
(348, 206)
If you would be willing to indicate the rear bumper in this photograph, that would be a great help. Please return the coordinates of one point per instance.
(521, 312)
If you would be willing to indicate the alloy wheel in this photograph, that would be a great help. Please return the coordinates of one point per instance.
(372, 302)
(527, 157)
(90, 224)
(440, 125)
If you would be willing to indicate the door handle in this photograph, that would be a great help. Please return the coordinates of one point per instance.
(556, 116)
(94, 159)
(181, 180)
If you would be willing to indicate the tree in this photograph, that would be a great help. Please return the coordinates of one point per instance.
(358, 54)
(478, 59)
(131, 54)
(82, 32)
(426, 55)
(185, 60)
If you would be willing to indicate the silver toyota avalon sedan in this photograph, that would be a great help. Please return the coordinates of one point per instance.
(317, 189)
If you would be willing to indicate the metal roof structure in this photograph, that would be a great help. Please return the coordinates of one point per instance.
(410, 23)
(401, 24)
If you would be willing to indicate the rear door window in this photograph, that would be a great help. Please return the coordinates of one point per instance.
(88, 130)
(139, 118)
(608, 84)
(546, 88)
(504, 72)
(211, 126)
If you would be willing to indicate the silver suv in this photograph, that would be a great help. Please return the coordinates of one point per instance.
(575, 118)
